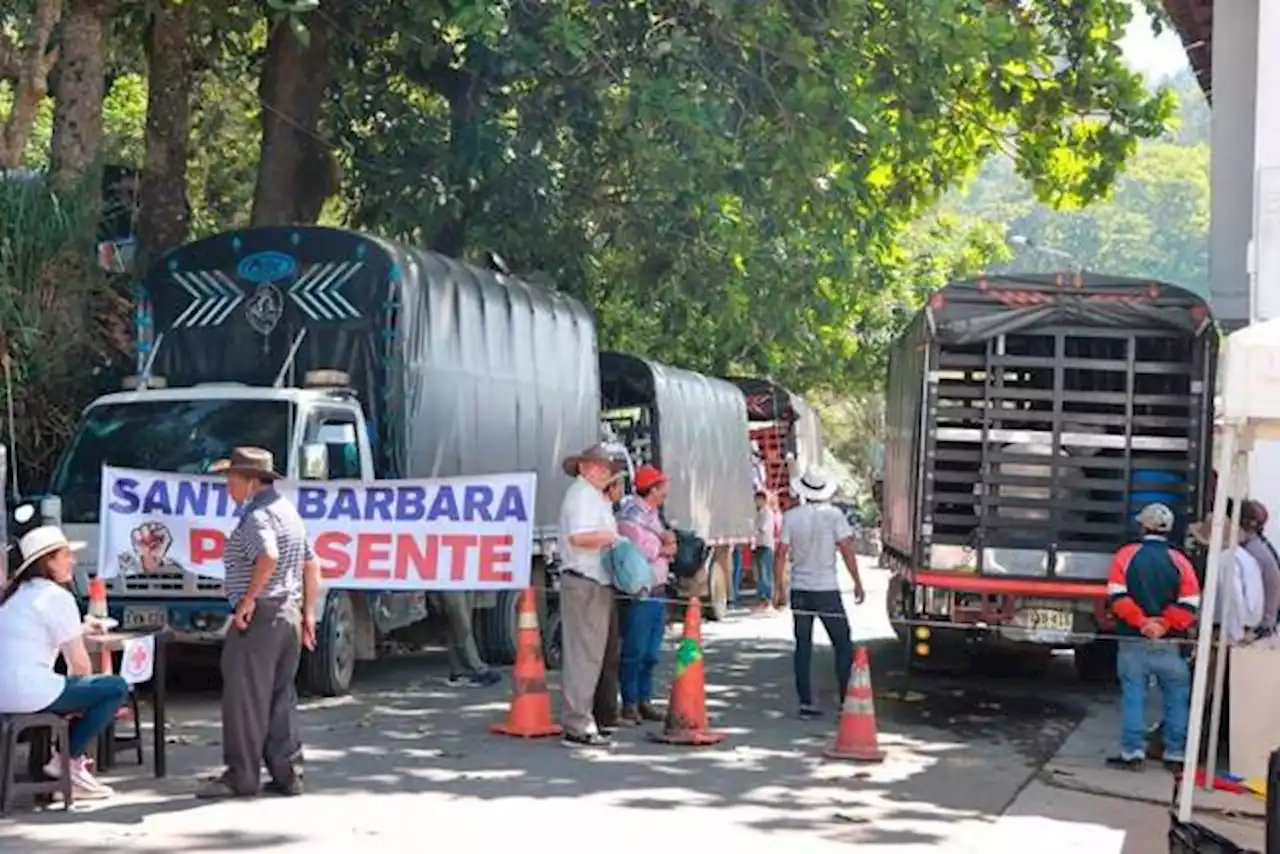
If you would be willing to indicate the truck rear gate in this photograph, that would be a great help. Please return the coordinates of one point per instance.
(1029, 419)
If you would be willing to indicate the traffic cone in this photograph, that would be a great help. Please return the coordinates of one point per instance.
(856, 737)
(530, 713)
(687, 710)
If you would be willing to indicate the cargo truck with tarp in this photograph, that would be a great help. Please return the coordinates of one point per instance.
(694, 428)
(1028, 419)
(347, 357)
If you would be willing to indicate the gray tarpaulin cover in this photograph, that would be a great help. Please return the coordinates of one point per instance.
(460, 370)
(999, 305)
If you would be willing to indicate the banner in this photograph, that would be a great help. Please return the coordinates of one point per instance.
(463, 533)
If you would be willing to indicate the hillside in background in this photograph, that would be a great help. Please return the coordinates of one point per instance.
(1154, 224)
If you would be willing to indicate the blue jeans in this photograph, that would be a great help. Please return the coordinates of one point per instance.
(94, 699)
(1137, 660)
(762, 563)
(828, 607)
(643, 621)
(737, 575)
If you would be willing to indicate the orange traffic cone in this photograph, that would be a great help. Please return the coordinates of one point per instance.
(856, 737)
(687, 710)
(530, 714)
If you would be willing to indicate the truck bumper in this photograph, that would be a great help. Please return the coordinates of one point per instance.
(1002, 610)
(192, 621)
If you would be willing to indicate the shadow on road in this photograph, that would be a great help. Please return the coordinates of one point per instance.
(959, 751)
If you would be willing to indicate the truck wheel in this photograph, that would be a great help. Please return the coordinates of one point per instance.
(1096, 661)
(717, 593)
(502, 621)
(893, 606)
(327, 671)
(553, 641)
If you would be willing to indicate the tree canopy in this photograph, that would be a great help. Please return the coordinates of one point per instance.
(735, 186)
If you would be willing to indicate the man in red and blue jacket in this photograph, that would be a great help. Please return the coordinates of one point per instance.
(1155, 598)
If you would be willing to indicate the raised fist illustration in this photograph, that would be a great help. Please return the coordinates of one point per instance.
(151, 541)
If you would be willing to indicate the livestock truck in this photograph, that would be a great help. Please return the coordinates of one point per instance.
(1028, 419)
(785, 431)
(348, 357)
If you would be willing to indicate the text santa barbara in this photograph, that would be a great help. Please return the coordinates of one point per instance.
(470, 533)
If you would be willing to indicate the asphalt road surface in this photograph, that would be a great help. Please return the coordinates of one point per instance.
(407, 763)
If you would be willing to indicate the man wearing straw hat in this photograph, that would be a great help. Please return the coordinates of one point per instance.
(587, 529)
(813, 535)
(272, 581)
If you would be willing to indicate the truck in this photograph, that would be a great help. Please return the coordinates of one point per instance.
(1028, 419)
(349, 357)
(786, 432)
(695, 428)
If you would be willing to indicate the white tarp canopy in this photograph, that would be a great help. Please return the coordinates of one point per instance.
(1249, 411)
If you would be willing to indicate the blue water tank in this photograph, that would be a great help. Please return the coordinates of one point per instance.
(1145, 488)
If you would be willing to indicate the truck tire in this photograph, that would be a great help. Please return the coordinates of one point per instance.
(1096, 661)
(553, 641)
(327, 671)
(717, 592)
(502, 621)
(893, 606)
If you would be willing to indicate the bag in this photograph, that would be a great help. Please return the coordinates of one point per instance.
(690, 556)
(628, 568)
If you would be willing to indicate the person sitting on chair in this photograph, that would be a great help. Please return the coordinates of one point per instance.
(39, 620)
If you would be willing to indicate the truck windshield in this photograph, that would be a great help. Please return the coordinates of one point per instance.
(169, 435)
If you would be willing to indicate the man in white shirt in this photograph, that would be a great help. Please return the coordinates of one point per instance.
(812, 535)
(587, 530)
(762, 556)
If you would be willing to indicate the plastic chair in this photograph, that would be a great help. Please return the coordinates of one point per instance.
(42, 730)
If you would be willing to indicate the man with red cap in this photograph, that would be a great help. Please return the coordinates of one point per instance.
(644, 617)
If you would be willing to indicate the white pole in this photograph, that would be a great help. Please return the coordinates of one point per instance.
(1227, 575)
(1204, 639)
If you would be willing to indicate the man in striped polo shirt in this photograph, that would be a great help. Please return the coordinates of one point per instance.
(272, 582)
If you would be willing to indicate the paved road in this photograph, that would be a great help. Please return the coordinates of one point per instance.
(407, 762)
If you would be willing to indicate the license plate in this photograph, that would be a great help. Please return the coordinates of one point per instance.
(143, 617)
(1045, 620)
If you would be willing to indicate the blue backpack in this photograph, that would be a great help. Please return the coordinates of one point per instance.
(626, 565)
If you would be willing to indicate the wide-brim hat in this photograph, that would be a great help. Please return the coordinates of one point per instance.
(594, 454)
(41, 541)
(253, 462)
(1201, 531)
(814, 485)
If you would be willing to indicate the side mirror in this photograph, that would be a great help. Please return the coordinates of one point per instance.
(315, 461)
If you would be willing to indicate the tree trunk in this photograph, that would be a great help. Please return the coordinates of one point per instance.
(164, 215)
(296, 170)
(30, 77)
(77, 113)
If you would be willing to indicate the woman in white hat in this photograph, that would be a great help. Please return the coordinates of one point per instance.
(39, 620)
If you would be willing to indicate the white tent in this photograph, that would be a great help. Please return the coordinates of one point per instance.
(1250, 411)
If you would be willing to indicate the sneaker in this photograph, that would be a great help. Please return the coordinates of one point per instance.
(218, 788)
(809, 712)
(586, 739)
(631, 715)
(53, 768)
(474, 680)
(1127, 763)
(84, 785)
(288, 789)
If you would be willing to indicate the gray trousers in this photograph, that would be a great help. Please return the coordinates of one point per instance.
(259, 701)
(464, 657)
(585, 609)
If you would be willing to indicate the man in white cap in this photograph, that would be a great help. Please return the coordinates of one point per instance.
(813, 534)
(1155, 598)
